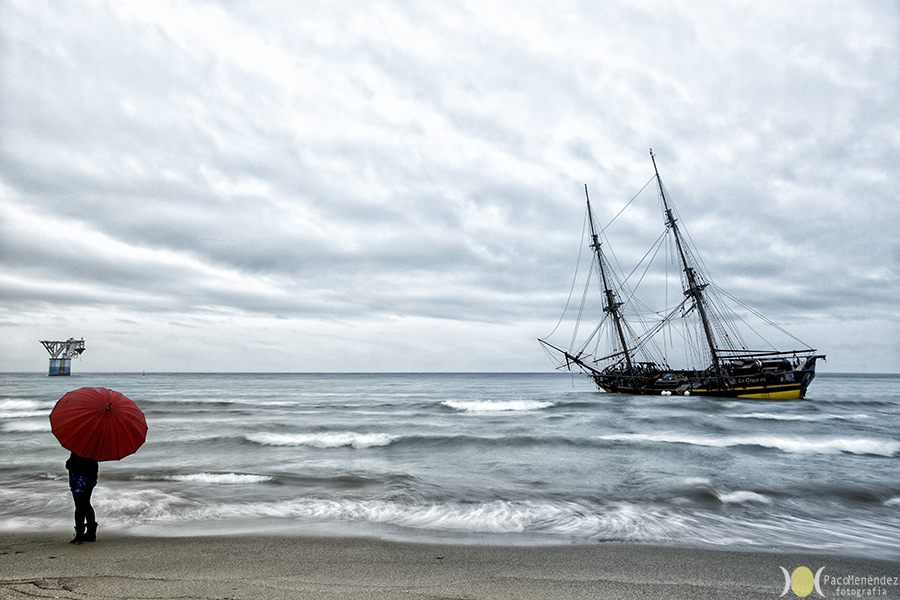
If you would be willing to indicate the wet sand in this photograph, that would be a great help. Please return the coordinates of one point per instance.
(274, 567)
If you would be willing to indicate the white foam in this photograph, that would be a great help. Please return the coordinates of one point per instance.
(792, 444)
(835, 446)
(12, 409)
(140, 506)
(219, 478)
(21, 405)
(496, 406)
(323, 440)
(697, 481)
(620, 521)
(742, 497)
(10, 414)
(26, 426)
(788, 417)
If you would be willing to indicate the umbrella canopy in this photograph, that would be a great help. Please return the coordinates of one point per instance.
(98, 423)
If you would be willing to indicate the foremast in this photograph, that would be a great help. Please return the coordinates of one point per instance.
(612, 304)
(693, 286)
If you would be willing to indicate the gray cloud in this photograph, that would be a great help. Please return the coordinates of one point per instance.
(226, 167)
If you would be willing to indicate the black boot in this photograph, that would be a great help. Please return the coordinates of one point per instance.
(79, 535)
(90, 534)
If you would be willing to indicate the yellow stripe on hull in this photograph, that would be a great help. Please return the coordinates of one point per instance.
(755, 393)
(786, 395)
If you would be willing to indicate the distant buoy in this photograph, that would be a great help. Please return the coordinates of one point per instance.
(687, 392)
(666, 393)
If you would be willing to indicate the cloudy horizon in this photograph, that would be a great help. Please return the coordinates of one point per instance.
(276, 187)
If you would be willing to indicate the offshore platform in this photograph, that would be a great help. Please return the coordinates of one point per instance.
(62, 353)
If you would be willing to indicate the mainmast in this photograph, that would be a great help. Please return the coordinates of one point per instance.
(694, 288)
(612, 307)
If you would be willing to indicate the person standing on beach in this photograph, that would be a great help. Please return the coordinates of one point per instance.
(82, 479)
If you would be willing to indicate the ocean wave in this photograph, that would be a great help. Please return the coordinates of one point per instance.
(742, 497)
(17, 409)
(788, 417)
(141, 506)
(217, 478)
(8, 414)
(488, 441)
(26, 426)
(794, 444)
(537, 520)
(496, 406)
(695, 481)
(23, 405)
(895, 501)
(626, 522)
(323, 440)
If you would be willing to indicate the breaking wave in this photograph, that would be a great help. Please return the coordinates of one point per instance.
(742, 497)
(217, 478)
(785, 444)
(27, 426)
(789, 417)
(496, 406)
(13, 409)
(322, 440)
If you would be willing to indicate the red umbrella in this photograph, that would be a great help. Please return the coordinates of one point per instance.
(98, 423)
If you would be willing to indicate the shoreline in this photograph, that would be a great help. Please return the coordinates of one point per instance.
(255, 566)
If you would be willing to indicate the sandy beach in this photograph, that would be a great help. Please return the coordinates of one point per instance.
(274, 567)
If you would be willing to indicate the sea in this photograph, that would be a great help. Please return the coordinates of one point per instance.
(530, 459)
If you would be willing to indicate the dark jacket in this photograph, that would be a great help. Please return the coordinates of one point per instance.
(86, 467)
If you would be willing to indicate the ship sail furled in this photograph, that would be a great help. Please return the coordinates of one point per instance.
(626, 351)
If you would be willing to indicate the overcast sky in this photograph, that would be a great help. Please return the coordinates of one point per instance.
(398, 186)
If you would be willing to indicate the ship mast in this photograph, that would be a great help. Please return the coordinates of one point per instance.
(612, 307)
(693, 287)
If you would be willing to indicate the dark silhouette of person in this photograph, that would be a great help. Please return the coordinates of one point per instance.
(82, 479)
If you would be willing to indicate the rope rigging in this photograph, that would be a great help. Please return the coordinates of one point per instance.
(622, 353)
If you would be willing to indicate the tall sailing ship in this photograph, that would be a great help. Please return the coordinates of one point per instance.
(624, 353)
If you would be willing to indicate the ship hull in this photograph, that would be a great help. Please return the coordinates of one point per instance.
(791, 385)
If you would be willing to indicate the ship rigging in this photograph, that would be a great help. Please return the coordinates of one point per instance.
(626, 351)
